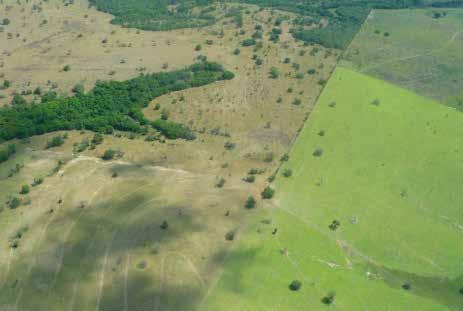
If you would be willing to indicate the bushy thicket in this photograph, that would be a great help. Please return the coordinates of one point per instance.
(109, 105)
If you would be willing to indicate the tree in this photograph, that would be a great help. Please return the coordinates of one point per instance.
(24, 189)
(250, 202)
(295, 285)
(311, 71)
(274, 73)
(5, 21)
(164, 225)
(267, 193)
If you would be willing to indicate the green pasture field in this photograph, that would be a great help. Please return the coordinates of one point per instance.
(413, 49)
(390, 172)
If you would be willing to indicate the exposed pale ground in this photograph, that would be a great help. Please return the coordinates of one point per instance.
(112, 251)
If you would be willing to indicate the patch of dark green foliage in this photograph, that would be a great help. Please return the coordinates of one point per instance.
(110, 105)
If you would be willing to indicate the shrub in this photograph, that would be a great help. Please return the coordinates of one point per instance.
(5, 21)
(257, 34)
(227, 75)
(267, 193)
(249, 178)
(13, 202)
(250, 202)
(37, 181)
(274, 73)
(328, 299)
(198, 47)
(67, 68)
(108, 154)
(287, 60)
(230, 235)
(237, 51)
(318, 152)
(18, 100)
(287, 172)
(78, 89)
(296, 102)
(248, 42)
(6, 84)
(220, 183)
(229, 145)
(164, 225)
(295, 285)
(56, 141)
(285, 158)
(259, 61)
(300, 75)
(173, 130)
(334, 225)
(376, 102)
(24, 189)
(269, 157)
(97, 139)
(407, 286)
(38, 91)
(209, 42)
(311, 71)
(7, 152)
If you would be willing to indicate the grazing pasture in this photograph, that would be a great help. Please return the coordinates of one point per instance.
(417, 49)
(374, 217)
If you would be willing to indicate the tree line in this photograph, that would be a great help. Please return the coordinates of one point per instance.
(110, 105)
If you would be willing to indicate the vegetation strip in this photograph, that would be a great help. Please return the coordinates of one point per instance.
(110, 105)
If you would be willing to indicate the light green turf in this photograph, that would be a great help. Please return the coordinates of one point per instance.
(422, 53)
(396, 168)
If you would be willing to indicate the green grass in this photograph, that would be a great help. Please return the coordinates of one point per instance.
(421, 53)
(395, 168)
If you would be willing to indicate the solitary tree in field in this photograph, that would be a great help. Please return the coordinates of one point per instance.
(250, 202)
(295, 285)
(267, 193)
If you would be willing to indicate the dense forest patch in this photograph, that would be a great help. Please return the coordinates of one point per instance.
(112, 105)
